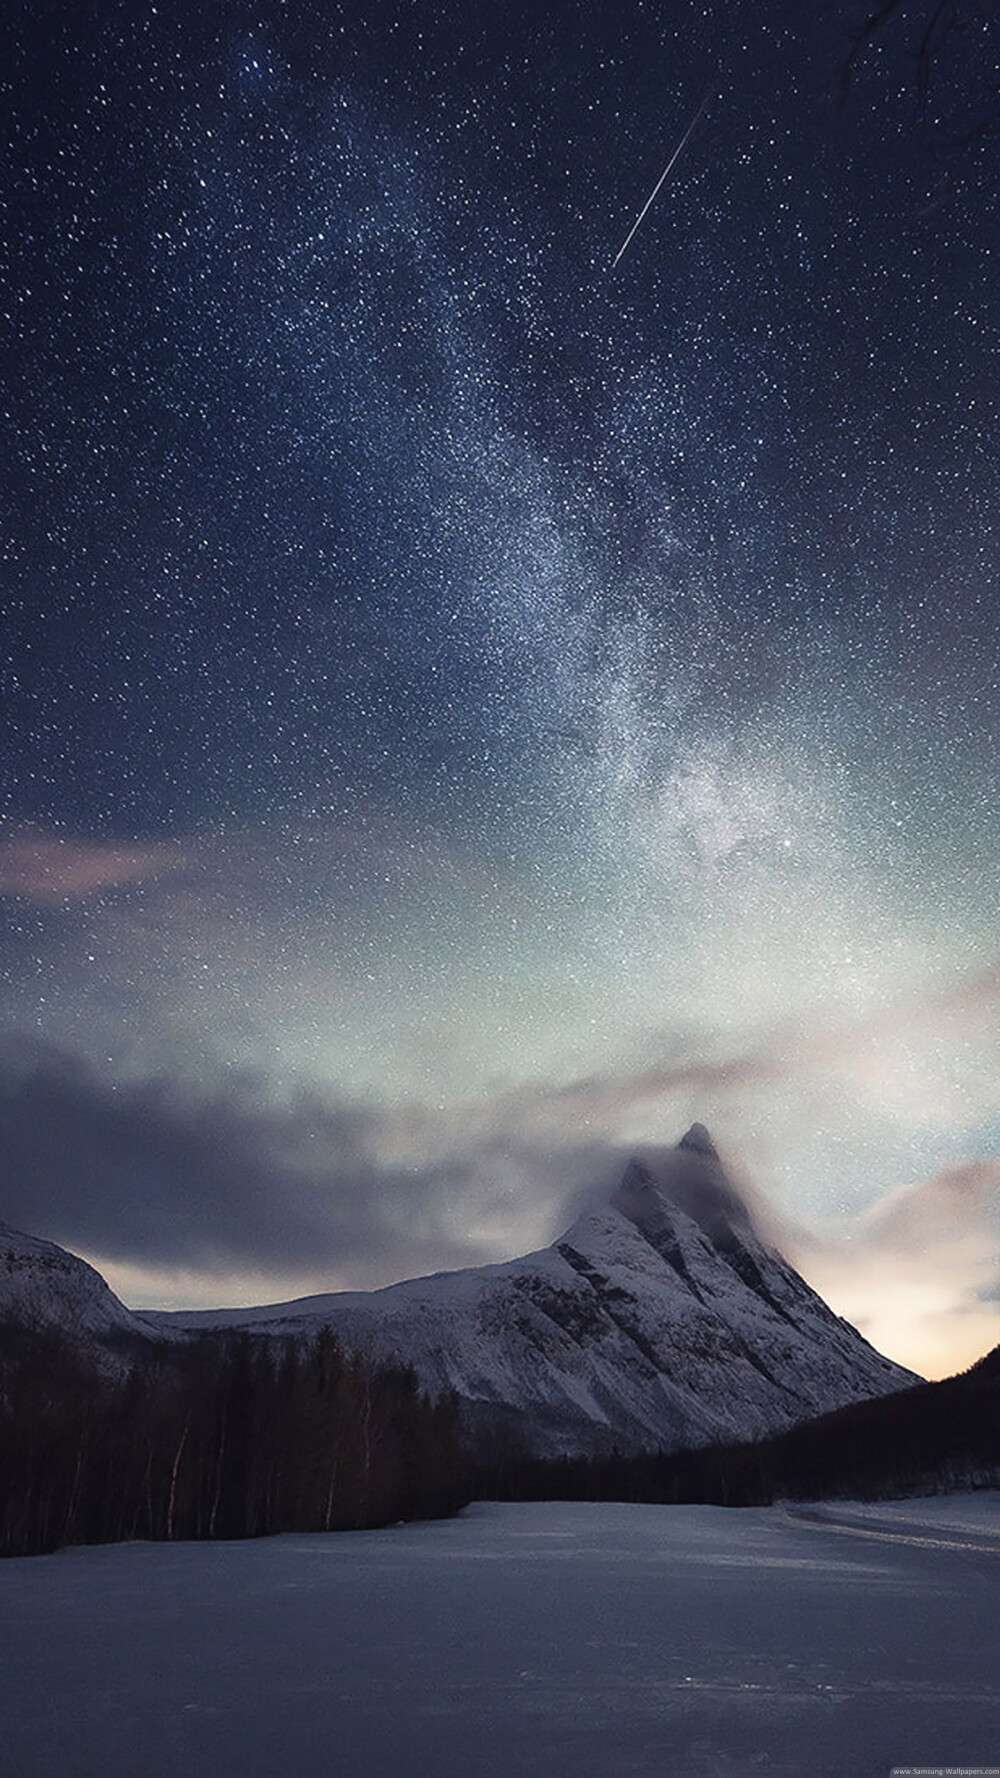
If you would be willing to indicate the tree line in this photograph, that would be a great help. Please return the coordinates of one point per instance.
(235, 1436)
(928, 1439)
(223, 1438)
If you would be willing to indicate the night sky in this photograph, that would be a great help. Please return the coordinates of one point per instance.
(469, 707)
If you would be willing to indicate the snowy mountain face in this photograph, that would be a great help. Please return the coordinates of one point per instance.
(662, 1321)
(44, 1289)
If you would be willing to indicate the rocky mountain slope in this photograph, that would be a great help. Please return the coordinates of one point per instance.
(661, 1321)
(44, 1289)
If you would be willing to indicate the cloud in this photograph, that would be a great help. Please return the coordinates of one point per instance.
(49, 869)
(228, 1193)
(149, 1174)
(918, 1271)
(908, 1061)
(397, 964)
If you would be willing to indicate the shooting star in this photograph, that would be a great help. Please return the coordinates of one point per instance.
(668, 169)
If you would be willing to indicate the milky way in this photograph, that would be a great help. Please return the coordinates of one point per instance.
(467, 710)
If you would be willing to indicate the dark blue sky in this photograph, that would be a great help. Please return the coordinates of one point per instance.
(440, 666)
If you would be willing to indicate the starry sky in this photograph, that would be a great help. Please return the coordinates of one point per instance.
(470, 706)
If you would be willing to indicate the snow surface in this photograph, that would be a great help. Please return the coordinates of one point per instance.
(531, 1641)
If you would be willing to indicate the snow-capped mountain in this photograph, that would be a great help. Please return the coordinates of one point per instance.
(661, 1321)
(44, 1289)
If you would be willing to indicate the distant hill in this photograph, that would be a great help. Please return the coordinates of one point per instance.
(930, 1438)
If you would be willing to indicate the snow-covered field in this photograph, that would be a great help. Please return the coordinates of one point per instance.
(560, 1641)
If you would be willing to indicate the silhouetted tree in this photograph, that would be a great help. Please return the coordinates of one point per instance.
(221, 1438)
(929, 1438)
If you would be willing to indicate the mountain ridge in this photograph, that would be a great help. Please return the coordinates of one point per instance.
(661, 1321)
(46, 1289)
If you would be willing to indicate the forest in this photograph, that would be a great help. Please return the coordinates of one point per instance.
(236, 1437)
(929, 1439)
(222, 1438)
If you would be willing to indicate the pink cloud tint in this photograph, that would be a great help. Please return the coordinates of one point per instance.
(918, 1271)
(47, 869)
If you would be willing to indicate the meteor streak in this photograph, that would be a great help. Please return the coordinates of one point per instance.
(682, 144)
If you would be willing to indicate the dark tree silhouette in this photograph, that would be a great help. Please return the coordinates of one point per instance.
(222, 1438)
(931, 1438)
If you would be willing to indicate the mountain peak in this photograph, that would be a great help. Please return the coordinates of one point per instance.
(689, 1177)
(661, 1323)
(699, 1141)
